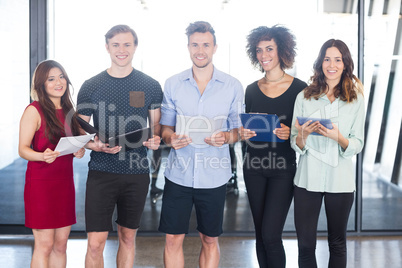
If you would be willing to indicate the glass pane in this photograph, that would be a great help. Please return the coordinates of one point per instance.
(382, 192)
(162, 52)
(14, 84)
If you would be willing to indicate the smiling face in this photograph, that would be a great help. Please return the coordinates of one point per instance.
(267, 55)
(121, 48)
(56, 84)
(332, 65)
(201, 47)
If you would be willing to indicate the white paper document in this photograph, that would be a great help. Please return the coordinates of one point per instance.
(69, 145)
(198, 127)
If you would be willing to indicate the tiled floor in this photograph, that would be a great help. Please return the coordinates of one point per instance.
(364, 252)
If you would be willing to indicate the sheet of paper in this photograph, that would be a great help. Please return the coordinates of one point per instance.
(69, 145)
(198, 127)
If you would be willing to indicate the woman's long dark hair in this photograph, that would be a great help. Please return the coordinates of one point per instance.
(349, 85)
(54, 128)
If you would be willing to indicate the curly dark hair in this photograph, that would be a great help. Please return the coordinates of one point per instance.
(349, 85)
(284, 40)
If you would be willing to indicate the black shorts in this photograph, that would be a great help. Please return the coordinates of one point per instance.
(105, 191)
(177, 204)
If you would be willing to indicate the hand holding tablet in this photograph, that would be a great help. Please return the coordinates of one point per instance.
(263, 125)
(132, 139)
(325, 122)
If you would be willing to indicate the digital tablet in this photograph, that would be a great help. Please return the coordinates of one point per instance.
(325, 122)
(87, 126)
(90, 129)
(130, 140)
(133, 139)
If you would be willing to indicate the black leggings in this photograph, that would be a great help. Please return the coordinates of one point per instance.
(307, 206)
(270, 198)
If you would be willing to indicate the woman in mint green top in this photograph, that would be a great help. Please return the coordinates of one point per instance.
(326, 170)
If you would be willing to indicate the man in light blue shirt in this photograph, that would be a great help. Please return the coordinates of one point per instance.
(200, 116)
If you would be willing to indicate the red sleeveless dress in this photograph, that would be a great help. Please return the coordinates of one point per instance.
(49, 194)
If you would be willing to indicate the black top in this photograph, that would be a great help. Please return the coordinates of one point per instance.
(272, 155)
(118, 106)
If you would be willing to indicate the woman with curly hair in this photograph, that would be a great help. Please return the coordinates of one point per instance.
(326, 170)
(269, 167)
(49, 194)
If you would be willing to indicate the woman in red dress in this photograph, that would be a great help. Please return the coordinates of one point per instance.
(49, 193)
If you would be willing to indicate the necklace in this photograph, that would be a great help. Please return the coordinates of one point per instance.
(275, 80)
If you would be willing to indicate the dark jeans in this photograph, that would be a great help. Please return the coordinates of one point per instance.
(270, 197)
(307, 207)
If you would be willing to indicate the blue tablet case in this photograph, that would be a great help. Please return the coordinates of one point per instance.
(263, 125)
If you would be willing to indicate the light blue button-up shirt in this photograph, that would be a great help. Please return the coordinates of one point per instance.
(194, 165)
(324, 166)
